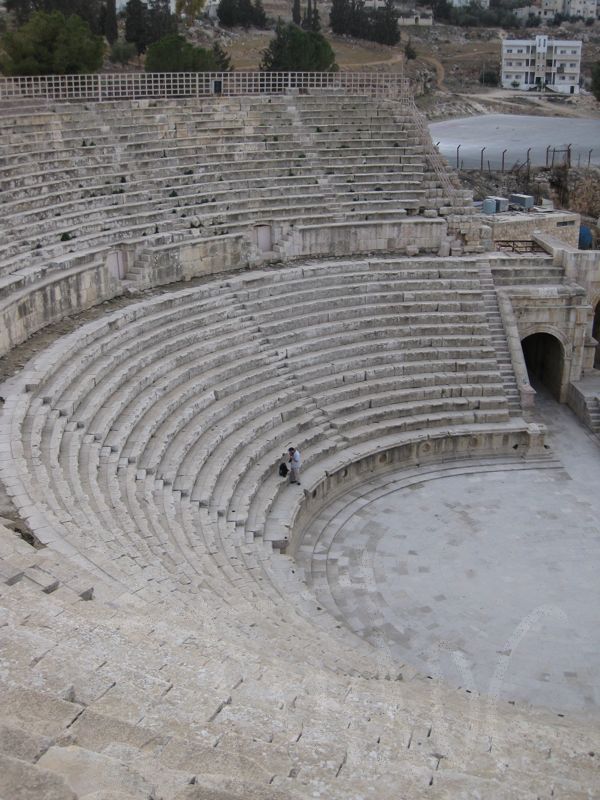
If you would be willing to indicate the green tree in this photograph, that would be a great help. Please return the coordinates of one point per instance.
(222, 59)
(339, 16)
(160, 22)
(49, 44)
(596, 80)
(259, 18)
(173, 54)
(111, 30)
(296, 12)
(136, 26)
(89, 10)
(384, 24)
(293, 49)
(227, 12)
(241, 12)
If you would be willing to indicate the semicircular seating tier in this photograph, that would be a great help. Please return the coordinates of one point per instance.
(142, 452)
(104, 197)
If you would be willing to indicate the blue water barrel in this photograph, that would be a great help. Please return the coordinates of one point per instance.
(586, 240)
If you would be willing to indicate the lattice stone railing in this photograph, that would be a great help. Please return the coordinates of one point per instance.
(115, 86)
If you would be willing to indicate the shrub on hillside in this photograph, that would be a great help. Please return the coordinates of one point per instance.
(50, 44)
(174, 54)
(489, 76)
(295, 50)
(122, 52)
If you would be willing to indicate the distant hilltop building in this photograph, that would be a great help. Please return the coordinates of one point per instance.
(541, 62)
(570, 8)
(465, 3)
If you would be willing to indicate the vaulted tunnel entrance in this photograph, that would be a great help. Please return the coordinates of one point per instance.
(545, 362)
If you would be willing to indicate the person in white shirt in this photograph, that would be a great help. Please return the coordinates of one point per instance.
(295, 462)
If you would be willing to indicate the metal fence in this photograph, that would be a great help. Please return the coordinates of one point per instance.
(129, 86)
(517, 160)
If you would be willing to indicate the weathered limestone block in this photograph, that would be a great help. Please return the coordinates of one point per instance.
(221, 787)
(20, 780)
(86, 772)
(38, 712)
(21, 744)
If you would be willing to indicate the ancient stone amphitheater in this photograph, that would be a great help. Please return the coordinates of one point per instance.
(158, 638)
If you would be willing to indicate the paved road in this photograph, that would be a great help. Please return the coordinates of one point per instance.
(497, 132)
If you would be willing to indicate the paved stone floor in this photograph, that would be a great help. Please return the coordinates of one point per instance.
(486, 576)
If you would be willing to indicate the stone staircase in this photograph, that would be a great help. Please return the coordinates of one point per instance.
(499, 341)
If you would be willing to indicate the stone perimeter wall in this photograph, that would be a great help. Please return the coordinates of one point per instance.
(425, 448)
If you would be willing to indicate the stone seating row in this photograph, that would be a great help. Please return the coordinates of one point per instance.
(202, 662)
(110, 715)
(248, 416)
(123, 203)
(46, 175)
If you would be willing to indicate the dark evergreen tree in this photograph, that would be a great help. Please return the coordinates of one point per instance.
(384, 24)
(227, 12)
(259, 17)
(50, 44)
(295, 50)
(307, 18)
(136, 27)
(359, 22)
(296, 12)
(221, 58)
(160, 22)
(111, 30)
(339, 16)
(173, 54)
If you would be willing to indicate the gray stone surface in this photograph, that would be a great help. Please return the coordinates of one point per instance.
(487, 577)
(21, 744)
(87, 772)
(19, 780)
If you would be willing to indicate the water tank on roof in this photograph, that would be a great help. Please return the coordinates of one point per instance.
(501, 203)
(489, 205)
(524, 201)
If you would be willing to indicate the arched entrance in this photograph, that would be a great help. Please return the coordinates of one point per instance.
(545, 361)
(596, 334)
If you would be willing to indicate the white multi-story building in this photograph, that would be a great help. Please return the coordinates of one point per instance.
(571, 8)
(555, 63)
